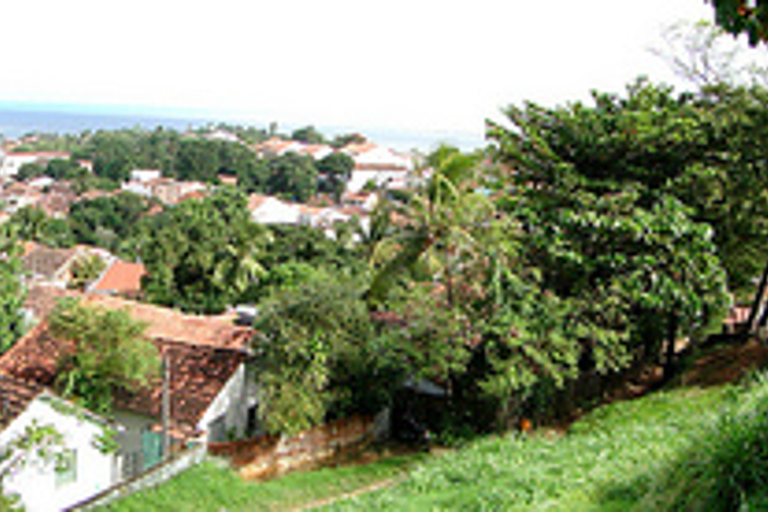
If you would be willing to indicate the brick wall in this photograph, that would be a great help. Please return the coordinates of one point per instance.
(271, 455)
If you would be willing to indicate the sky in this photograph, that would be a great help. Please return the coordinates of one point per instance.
(407, 65)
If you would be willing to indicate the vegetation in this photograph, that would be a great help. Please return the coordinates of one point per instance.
(741, 17)
(11, 290)
(200, 255)
(210, 486)
(616, 458)
(108, 352)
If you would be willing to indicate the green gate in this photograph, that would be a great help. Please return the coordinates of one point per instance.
(151, 448)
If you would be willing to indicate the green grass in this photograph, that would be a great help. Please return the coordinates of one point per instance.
(685, 449)
(212, 486)
(610, 460)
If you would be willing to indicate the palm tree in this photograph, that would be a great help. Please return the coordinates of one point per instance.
(443, 219)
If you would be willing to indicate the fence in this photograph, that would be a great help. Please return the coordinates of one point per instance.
(150, 478)
(271, 455)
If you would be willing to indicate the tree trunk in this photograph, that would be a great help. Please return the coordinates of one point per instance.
(747, 328)
(669, 358)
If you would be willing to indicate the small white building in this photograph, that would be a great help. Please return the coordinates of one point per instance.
(145, 175)
(378, 165)
(271, 210)
(12, 162)
(76, 466)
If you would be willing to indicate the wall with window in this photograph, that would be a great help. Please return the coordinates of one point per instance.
(73, 468)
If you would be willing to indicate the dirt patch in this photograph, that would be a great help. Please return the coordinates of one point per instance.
(726, 364)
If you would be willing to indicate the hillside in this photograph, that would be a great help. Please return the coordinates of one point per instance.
(653, 453)
(698, 446)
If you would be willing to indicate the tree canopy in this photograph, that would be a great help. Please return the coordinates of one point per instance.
(109, 352)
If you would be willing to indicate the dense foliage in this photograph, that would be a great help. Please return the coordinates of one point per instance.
(11, 289)
(742, 17)
(200, 255)
(108, 352)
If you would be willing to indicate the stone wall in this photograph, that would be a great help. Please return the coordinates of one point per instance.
(271, 455)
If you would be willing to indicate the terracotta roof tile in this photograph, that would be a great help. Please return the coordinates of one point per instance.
(46, 261)
(161, 322)
(15, 396)
(121, 278)
(197, 374)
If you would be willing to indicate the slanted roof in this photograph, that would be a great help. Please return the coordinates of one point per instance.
(198, 373)
(165, 323)
(121, 277)
(15, 397)
(197, 376)
(46, 261)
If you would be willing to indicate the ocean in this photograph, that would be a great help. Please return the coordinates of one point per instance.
(18, 121)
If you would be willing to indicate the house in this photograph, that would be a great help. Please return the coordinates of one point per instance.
(222, 135)
(44, 264)
(13, 161)
(316, 151)
(144, 175)
(212, 393)
(76, 468)
(271, 210)
(381, 166)
(276, 146)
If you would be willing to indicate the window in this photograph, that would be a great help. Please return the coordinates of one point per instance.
(66, 468)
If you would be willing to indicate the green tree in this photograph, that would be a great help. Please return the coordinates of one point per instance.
(58, 168)
(308, 134)
(84, 270)
(113, 154)
(739, 17)
(30, 170)
(320, 355)
(109, 351)
(12, 291)
(335, 170)
(293, 176)
(595, 203)
(105, 221)
(200, 255)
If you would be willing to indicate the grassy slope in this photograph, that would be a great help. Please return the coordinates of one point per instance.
(648, 454)
(211, 486)
(609, 460)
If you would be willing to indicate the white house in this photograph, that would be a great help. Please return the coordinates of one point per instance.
(378, 165)
(76, 466)
(13, 161)
(271, 210)
(211, 396)
(144, 175)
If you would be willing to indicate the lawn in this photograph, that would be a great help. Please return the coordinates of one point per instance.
(612, 459)
(213, 486)
(666, 451)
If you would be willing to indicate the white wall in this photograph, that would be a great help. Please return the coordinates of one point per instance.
(274, 211)
(36, 480)
(232, 403)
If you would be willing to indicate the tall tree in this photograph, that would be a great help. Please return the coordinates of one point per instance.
(200, 255)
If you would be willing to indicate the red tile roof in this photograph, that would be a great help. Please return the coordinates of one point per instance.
(197, 374)
(121, 278)
(15, 396)
(161, 322)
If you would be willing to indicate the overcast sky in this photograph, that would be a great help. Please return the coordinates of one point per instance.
(396, 64)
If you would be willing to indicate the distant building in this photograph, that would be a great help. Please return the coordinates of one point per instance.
(12, 162)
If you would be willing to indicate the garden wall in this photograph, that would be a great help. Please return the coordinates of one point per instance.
(271, 455)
